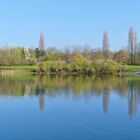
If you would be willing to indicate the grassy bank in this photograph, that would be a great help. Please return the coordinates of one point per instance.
(26, 68)
(133, 68)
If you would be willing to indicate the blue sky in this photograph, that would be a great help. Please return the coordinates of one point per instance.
(68, 22)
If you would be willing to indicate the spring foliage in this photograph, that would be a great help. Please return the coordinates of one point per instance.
(80, 65)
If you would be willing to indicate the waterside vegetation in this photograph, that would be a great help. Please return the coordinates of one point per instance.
(73, 60)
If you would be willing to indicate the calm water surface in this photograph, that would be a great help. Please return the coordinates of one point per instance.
(69, 108)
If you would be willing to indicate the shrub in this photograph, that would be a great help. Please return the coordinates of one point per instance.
(106, 66)
(54, 66)
(80, 65)
(40, 67)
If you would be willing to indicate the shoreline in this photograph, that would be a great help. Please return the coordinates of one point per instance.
(24, 72)
(14, 72)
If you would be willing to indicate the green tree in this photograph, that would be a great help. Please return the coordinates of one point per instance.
(37, 52)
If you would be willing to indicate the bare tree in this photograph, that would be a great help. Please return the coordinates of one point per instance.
(42, 45)
(132, 45)
(121, 56)
(106, 45)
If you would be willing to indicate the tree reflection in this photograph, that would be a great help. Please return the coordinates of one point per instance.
(39, 91)
(132, 99)
(73, 86)
(105, 101)
(42, 99)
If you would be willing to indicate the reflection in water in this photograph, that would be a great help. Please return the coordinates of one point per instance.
(75, 87)
(42, 99)
(132, 99)
(105, 101)
(39, 91)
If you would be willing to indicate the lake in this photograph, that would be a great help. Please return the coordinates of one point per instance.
(69, 108)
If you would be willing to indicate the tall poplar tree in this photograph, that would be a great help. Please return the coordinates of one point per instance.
(132, 45)
(106, 45)
(42, 45)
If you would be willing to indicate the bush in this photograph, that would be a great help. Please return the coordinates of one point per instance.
(106, 66)
(40, 67)
(54, 66)
(80, 65)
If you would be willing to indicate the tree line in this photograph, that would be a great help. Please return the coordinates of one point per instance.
(18, 55)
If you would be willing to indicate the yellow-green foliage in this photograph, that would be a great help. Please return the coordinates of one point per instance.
(40, 67)
(54, 66)
(107, 66)
(80, 65)
(50, 66)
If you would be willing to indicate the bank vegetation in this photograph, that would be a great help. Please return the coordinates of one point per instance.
(73, 59)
